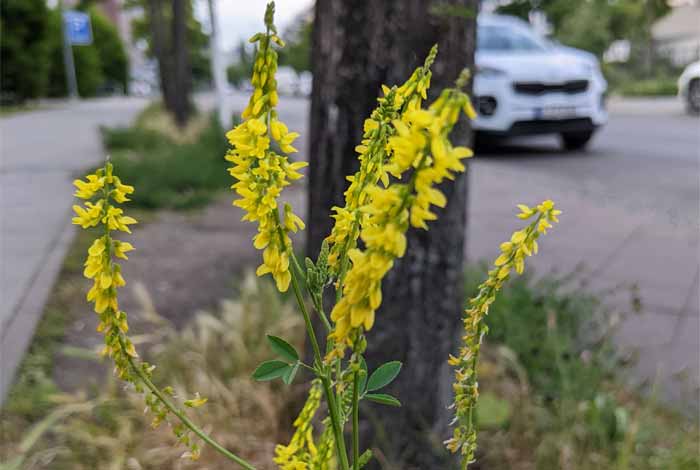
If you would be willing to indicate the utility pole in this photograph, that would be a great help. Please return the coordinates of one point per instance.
(68, 62)
(217, 70)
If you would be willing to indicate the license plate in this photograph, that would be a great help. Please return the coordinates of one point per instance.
(555, 112)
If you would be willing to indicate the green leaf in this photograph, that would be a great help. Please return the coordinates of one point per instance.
(269, 370)
(384, 375)
(283, 348)
(383, 398)
(288, 377)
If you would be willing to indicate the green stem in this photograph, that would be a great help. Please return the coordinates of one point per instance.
(335, 422)
(182, 417)
(318, 359)
(330, 397)
(356, 421)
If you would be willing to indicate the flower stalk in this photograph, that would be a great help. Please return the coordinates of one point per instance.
(405, 155)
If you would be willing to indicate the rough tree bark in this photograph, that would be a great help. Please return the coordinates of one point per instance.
(357, 46)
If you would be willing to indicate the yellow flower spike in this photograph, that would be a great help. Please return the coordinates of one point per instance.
(102, 190)
(260, 172)
(522, 243)
(302, 451)
(416, 141)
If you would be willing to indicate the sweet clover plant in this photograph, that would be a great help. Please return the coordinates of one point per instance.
(404, 155)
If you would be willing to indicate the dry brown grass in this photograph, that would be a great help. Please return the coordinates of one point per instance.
(154, 118)
(108, 430)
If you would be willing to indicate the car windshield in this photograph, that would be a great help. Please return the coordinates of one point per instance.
(504, 39)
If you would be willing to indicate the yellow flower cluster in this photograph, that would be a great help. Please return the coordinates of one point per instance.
(260, 172)
(302, 453)
(420, 144)
(99, 266)
(373, 154)
(106, 189)
(523, 243)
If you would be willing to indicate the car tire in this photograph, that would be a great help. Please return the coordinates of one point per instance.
(693, 96)
(576, 140)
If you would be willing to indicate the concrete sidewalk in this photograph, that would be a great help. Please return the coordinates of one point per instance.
(41, 152)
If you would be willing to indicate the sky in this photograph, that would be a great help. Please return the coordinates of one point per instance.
(240, 19)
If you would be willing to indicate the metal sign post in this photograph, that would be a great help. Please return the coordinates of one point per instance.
(76, 30)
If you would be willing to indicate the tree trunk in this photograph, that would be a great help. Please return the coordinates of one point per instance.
(159, 43)
(359, 45)
(182, 70)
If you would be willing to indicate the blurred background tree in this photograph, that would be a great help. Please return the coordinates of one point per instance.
(297, 36)
(177, 41)
(593, 25)
(242, 69)
(24, 49)
(296, 52)
(32, 53)
(357, 47)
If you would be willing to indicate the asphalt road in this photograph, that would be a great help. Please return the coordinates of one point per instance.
(631, 217)
(630, 223)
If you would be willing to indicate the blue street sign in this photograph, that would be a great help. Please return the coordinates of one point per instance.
(78, 30)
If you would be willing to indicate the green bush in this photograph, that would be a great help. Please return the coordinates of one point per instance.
(543, 310)
(133, 138)
(167, 174)
(24, 49)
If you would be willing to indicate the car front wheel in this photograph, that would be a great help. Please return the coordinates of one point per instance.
(694, 96)
(576, 140)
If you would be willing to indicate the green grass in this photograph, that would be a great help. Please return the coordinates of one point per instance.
(10, 109)
(553, 380)
(551, 396)
(165, 172)
(649, 87)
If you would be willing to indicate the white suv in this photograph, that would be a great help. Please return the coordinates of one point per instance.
(528, 85)
(689, 87)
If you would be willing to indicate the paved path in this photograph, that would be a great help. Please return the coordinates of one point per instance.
(40, 154)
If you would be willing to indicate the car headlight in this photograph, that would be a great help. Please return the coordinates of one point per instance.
(486, 71)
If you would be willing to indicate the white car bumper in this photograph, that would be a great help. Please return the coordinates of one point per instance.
(535, 109)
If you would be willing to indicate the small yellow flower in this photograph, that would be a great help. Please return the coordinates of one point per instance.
(195, 402)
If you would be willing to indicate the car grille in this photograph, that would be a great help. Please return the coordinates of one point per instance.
(539, 88)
